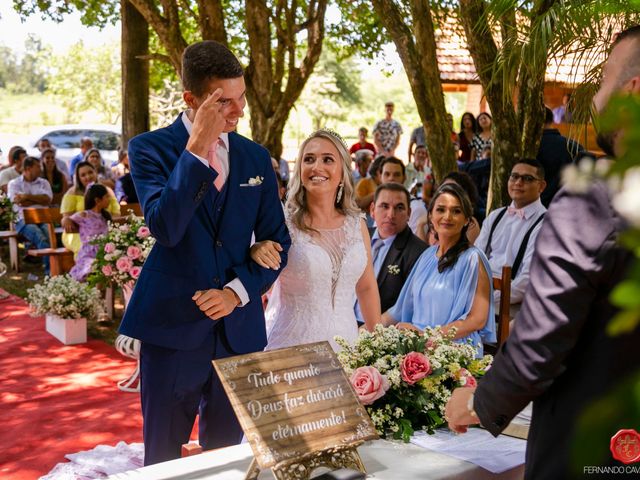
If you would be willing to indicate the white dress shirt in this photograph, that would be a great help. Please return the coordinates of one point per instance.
(40, 186)
(506, 242)
(223, 158)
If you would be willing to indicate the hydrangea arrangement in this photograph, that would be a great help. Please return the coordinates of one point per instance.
(405, 378)
(121, 252)
(63, 296)
(7, 214)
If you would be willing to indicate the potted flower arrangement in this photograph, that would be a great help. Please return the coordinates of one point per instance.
(7, 214)
(121, 253)
(405, 378)
(67, 305)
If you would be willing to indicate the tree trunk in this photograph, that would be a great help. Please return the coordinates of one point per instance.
(135, 72)
(421, 66)
(270, 99)
(506, 135)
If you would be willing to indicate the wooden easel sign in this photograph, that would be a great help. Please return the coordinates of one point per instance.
(297, 409)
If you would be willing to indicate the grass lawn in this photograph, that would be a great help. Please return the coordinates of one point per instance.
(30, 274)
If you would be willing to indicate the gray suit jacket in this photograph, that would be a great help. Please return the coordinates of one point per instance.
(558, 353)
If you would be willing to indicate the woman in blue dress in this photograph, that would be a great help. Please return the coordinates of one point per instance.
(449, 285)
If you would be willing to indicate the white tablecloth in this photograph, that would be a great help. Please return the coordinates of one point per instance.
(382, 459)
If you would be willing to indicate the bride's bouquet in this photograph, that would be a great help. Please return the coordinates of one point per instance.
(405, 378)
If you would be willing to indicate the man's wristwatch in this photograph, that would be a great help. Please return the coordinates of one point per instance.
(470, 409)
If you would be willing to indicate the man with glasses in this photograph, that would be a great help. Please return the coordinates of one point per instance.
(509, 234)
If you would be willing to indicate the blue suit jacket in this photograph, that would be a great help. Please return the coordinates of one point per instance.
(201, 242)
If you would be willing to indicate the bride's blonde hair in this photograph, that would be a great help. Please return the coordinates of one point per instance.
(297, 204)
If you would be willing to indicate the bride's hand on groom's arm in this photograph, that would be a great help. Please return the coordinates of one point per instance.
(215, 303)
(266, 254)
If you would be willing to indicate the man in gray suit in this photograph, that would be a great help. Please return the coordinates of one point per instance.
(559, 355)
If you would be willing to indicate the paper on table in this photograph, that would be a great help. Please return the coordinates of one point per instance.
(476, 446)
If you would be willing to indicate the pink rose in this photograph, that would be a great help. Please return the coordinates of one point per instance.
(107, 270)
(466, 379)
(109, 248)
(135, 272)
(133, 252)
(124, 264)
(143, 232)
(415, 366)
(369, 384)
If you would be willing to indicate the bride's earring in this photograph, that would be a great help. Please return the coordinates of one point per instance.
(340, 188)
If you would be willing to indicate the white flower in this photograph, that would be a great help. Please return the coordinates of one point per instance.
(627, 199)
(256, 180)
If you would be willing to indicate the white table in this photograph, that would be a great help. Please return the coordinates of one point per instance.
(382, 459)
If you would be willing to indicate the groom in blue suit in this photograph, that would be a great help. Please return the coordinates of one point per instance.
(204, 190)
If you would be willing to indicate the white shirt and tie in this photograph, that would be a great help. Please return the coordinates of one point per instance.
(506, 242)
(379, 250)
(218, 159)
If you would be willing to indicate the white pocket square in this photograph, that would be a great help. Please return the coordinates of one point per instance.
(253, 182)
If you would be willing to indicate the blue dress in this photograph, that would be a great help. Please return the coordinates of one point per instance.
(430, 298)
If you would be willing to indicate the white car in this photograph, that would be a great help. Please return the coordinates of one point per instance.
(66, 140)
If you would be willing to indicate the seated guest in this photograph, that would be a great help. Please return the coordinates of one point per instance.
(449, 285)
(51, 173)
(105, 175)
(392, 170)
(73, 201)
(462, 179)
(555, 153)
(509, 234)
(363, 161)
(91, 222)
(121, 168)
(85, 144)
(366, 187)
(45, 143)
(394, 248)
(32, 191)
(418, 169)
(420, 206)
(362, 143)
(14, 170)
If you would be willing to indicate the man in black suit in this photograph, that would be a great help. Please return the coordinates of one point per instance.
(555, 153)
(559, 354)
(394, 247)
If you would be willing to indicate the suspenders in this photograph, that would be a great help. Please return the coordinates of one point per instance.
(523, 246)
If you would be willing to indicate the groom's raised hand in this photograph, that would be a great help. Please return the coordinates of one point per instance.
(215, 303)
(208, 122)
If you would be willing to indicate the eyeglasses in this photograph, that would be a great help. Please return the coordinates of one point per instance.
(514, 177)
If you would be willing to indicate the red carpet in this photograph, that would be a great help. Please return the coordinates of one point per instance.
(57, 399)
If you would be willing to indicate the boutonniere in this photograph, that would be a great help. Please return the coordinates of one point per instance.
(393, 269)
(253, 182)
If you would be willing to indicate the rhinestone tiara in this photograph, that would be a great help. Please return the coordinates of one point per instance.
(333, 133)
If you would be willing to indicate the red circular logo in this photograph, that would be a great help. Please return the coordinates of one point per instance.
(625, 446)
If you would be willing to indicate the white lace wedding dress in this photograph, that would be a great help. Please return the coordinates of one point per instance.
(313, 298)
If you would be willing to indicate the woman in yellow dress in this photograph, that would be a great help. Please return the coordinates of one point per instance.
(73, 202)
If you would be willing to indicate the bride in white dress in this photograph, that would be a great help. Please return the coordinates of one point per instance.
(329, 263)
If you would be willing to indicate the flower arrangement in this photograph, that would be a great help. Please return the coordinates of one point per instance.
(404, 378)
(121, 252)
(65, 297)
(7, 214)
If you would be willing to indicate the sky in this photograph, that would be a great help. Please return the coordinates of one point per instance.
(13, 32)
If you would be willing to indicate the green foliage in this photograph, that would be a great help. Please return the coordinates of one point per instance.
(332, 91)
(27, 75)
(88, 79)
(92, 12)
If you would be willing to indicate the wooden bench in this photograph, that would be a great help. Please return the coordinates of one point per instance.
(503, 285)
(128, 208)
(12, 237)
(60, 258)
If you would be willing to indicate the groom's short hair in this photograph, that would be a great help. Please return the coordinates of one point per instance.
(205, 61)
